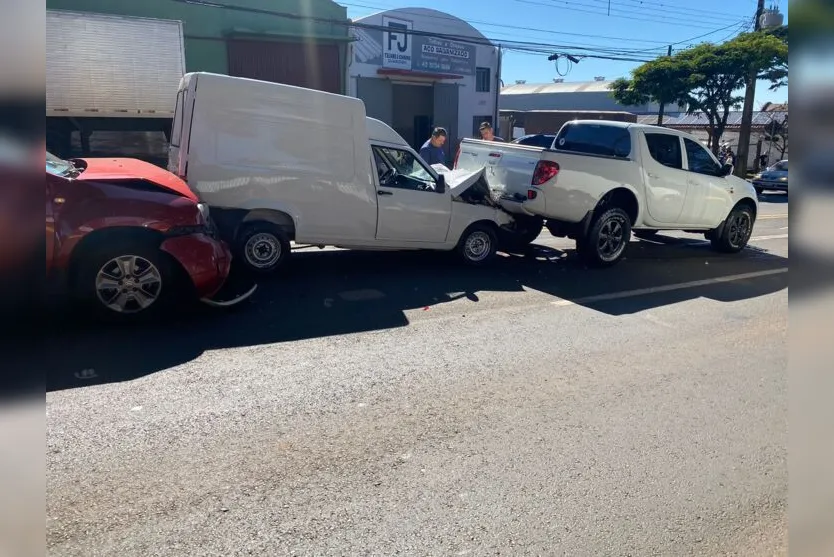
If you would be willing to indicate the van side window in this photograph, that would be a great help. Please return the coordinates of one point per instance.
(700, 160)
(398, 168)
(665, 149)
(176, 127)
(594, 139)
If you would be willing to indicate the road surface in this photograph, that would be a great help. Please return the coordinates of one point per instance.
(399, 404)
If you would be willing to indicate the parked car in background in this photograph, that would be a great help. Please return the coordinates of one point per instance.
(279, 163)
(601, 179)
(543, 140)
(127, 238)
(774, 177)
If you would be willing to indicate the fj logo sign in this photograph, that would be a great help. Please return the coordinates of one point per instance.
(396, 43)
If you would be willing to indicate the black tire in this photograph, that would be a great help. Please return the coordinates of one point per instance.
(254, 242)
(759, 191)
(478, 245)
(109, 280)
(738, 227)
(645, 234)
(524, 232)
(607, 238)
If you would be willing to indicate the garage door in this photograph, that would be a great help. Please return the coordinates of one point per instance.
(312, 65)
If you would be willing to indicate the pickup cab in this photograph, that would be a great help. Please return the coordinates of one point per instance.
(602, 179)
(280, 164)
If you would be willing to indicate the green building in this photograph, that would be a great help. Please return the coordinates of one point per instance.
(300, 42)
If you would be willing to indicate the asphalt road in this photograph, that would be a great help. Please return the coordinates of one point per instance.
(382, 404)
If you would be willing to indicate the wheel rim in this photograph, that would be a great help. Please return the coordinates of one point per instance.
(477, 246)
(128, 284)
(611, 240)
(740, 229)
(263, 250)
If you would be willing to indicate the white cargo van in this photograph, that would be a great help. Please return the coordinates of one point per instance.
(278, 163)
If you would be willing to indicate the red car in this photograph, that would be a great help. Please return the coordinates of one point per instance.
(129, 238)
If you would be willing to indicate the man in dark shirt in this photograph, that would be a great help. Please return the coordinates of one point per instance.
(487, 134)
(432, 150)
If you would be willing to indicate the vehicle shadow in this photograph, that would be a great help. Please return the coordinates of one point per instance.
(326, 293)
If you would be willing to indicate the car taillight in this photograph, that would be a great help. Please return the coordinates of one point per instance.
(545, 170)
(457, 154)
(531, 194)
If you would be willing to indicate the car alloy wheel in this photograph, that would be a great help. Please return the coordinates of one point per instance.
(128, 284)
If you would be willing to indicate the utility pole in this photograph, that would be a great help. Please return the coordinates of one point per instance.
(660, 110)
(747, 112)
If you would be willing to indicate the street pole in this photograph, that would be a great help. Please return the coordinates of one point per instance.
(747, 112)
(660, 111)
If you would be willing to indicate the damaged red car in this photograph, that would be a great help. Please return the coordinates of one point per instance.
(129, 239)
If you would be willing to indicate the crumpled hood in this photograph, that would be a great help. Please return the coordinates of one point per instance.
(107, 169)
(460, 180)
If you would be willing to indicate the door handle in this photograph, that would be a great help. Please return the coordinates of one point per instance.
(383, 192)
(652, 175)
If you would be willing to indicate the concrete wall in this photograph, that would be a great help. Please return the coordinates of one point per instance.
(205, 27)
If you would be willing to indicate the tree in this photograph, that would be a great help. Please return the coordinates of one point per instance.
(706, 78)
(663, 81)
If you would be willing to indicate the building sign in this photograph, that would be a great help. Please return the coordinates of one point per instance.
(444, 56)
(396, 47)
(396, 43)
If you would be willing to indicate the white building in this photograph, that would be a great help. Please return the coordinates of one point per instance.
(578, 95)
(417, 68)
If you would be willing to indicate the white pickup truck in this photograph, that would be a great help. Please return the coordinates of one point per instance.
(600, 180)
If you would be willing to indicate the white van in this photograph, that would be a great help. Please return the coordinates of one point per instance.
(278, 163)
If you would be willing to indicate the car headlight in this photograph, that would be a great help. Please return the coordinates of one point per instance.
(784, 178)
(204, 211)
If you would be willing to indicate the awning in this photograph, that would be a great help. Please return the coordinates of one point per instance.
(416, 75)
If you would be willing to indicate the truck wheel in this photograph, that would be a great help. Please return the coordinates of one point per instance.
(524, 232)
(263, 247)
(607, 239)
(736, 232)
(478, 245)
(646, 234)
(128, 282)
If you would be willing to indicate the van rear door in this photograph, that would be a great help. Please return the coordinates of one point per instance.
(181, 127)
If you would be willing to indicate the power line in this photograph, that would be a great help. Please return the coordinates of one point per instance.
(600, 48)
(504, 25)
(665, 7)
(666, 21)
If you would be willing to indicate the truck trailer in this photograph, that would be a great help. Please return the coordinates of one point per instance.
(109, 73)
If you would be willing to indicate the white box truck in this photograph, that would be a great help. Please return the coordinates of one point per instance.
(278, 163)
(109, 73)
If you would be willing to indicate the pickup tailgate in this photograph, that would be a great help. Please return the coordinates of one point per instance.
(509, 167)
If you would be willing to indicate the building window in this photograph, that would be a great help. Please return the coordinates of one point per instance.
(476, 125)
(482, 80)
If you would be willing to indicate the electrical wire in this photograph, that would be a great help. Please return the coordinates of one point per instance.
(664, 21)
(665, 7)
(519, 46)
(405, 11)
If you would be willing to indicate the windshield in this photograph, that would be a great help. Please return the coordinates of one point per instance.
(408, 165)
(781, 165)
(58, 167)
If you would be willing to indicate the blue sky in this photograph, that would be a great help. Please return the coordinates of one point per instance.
(644, 28)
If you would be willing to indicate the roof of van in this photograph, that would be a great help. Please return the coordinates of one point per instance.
(382, 132)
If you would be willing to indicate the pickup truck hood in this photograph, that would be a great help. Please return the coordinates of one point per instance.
(106, 169)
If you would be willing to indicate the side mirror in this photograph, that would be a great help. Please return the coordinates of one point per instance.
(727, 169)
(440, 185)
